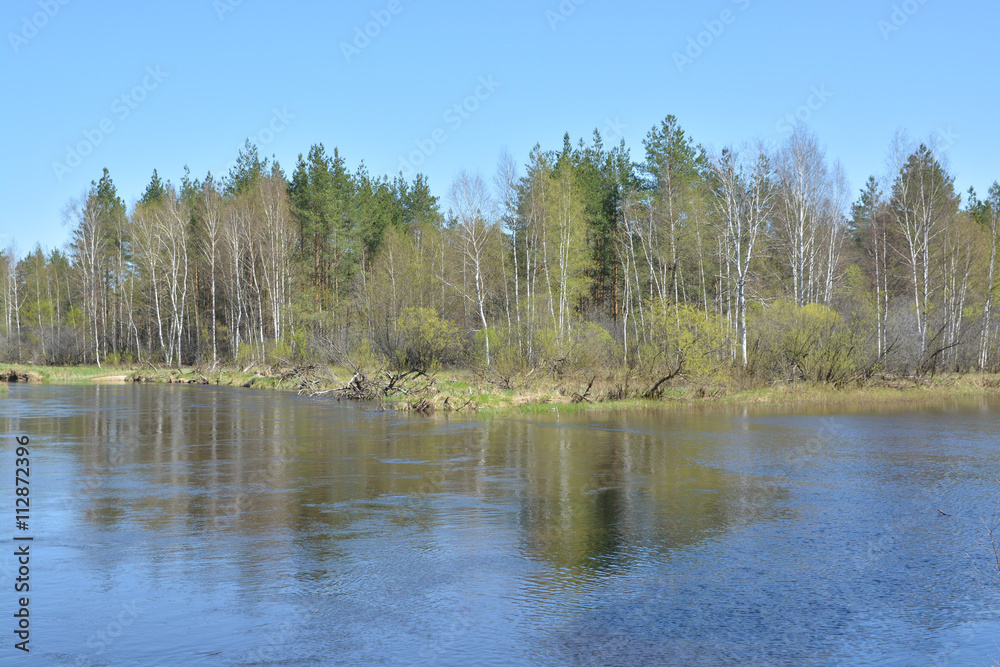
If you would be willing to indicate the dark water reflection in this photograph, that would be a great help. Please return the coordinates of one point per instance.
(196, 525)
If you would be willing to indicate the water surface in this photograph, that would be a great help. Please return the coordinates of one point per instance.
(201, 525)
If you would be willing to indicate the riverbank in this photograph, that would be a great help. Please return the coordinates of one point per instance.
(463, 391)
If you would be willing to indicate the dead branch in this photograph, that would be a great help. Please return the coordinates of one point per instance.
(652, 393)
(579, 398)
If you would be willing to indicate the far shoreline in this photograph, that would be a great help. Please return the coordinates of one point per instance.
(460, 391)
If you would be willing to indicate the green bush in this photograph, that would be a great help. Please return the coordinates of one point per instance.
(427, 339)
(810, 342)
(279, 353)
(246, 354)
(686, 339)
(592, 347)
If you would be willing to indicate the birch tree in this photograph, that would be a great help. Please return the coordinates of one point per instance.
(744, 199)
(871, 223)
(987, 213)
(477, 230)
(213, 215)
(89, 243)
(172, 220)
(922, 201)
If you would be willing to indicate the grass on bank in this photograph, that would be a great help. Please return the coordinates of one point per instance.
(464, 391)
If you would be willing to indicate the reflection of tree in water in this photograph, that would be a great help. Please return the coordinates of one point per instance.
(585, 491)
(596, 497)
(580, 497)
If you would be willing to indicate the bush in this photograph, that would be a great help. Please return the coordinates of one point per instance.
(118, 359)
(592, 348)
(506, 358)
(246, 355)
(426, 339)
(687, 340)
(278, 353)
(809, 342)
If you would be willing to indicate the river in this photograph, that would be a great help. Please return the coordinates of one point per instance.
(188, 525)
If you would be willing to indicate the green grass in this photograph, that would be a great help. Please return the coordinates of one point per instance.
(62, 374)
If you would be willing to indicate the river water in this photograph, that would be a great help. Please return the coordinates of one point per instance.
(181, 525)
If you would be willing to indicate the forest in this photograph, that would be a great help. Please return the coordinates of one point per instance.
(750, 265)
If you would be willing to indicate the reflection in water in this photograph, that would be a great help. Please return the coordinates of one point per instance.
(253, 527)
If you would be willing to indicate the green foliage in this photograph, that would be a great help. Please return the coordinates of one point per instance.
(155, 192)
(591, 249)
(279, 353)
(688, 340)
(301, 349)
(426, 339)
(506, 354)
(119, 359)
(603, 178)
(249, 168)
(76, 318)
(321, 192)
(811, 342)
(247, 355)
(545, 346)
(592, 348)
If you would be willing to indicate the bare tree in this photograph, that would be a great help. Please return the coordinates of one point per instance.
(506, 183)
(923, 200)
(803, 189)
(172, 218)
(276, 239)
(961, 243)
(477, 229)
(148, 251)
(834, 212)
(13, 296)
(213, 214)
(992, 210)
(89, 245)
(744, 199)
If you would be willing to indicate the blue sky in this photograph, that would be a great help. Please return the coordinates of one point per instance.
(143, 85)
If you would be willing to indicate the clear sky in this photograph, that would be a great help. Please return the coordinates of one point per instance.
(134, 86)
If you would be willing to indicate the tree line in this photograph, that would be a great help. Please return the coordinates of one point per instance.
(752, 262)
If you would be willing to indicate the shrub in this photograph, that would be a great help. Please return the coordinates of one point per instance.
(426, 339)
(592, 347)
(687, 340)
(278, 353)
(809, 342)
